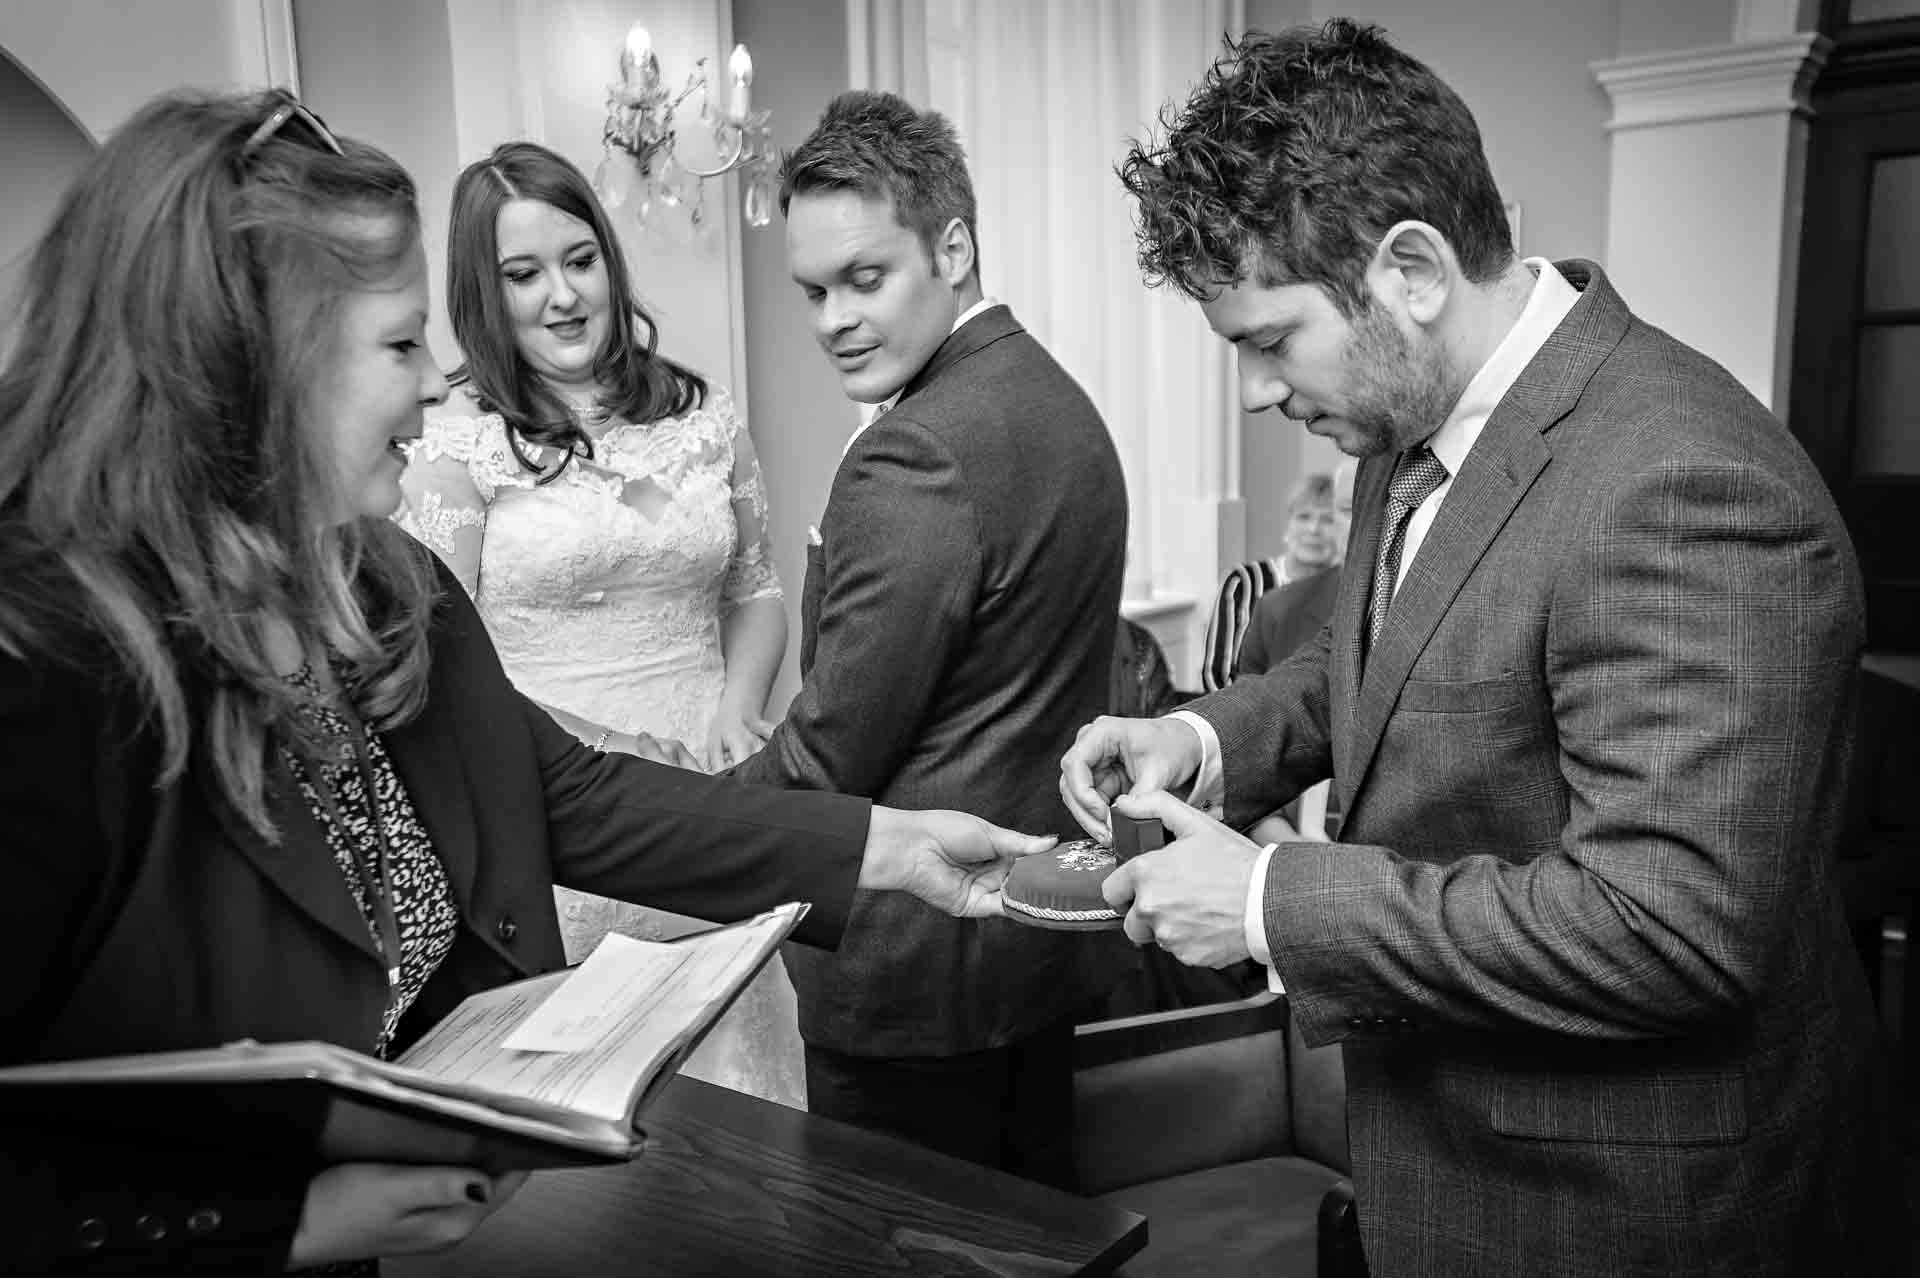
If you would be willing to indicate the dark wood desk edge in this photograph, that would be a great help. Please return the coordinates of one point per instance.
(693, 1114)
(1901, 667)
(1120, 1250)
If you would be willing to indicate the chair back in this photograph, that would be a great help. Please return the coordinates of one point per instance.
(1317, 1090)
(1240, 590)
(1173, 1092)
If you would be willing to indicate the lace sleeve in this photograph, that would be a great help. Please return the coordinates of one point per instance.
(446, 500)
(750, 573)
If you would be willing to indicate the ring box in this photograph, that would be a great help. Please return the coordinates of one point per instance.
(1134, 835)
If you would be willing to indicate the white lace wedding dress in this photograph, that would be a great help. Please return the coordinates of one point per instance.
(603, 590)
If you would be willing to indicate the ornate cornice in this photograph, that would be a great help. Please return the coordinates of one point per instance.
(1766, 77)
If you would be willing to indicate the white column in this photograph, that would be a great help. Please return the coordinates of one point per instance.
(1708, 166)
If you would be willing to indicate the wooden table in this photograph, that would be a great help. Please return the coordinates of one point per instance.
(733, 1186)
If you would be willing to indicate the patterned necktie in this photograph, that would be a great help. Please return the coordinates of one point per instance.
(1415, 476)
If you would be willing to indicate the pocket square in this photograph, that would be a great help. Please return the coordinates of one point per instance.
(813, 536)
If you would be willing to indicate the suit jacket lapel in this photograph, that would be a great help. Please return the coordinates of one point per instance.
(1504, 462)
(982, 330)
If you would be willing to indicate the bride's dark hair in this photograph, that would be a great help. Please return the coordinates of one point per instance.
(642, 384)
(156, 477)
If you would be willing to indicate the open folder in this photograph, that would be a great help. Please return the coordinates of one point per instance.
(551, 1071)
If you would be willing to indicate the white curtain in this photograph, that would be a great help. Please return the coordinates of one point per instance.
(1046, 94)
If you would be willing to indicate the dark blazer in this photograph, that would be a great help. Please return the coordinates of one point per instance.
(143, 919)
(957, 629)
(1581, 942)
(1284, 620)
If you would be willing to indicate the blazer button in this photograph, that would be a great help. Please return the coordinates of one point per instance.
(506, 929)
(150, 1228)
(204, 1221)
(91, 1235)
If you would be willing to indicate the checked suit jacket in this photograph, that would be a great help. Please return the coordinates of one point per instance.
(1599, 1010)
(957, 628)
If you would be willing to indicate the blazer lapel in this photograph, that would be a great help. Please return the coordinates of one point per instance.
(301, 866)
(1502, 465)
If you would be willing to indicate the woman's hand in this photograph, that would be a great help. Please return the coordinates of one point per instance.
(658, 749)
(734, 736)
(950, 860)
(361, 1211)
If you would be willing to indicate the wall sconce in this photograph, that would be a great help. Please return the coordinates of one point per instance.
(641, 168)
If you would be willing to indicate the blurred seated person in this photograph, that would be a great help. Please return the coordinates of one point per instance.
(1316, 545)
(1283, 621)
(267, 778)
(1315, 536)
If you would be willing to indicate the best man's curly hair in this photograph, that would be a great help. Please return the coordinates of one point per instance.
(1296, 154)
(879, 144)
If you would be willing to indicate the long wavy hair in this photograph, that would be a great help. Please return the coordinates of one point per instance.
(1296, 153)
(638, 382)
(155, 466)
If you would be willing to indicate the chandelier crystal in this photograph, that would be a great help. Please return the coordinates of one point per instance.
(641, 171)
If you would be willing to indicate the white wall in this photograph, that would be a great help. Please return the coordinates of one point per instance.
(1712, 270)
(103, 58)
(801, 418)
(41, 148)
(439, 83)
(1655, 26)
(72, 70)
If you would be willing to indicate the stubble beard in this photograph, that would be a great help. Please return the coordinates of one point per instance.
(1397, 394)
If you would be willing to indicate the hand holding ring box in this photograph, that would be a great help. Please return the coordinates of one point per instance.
(1061, 889)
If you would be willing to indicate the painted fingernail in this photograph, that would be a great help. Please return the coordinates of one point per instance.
(477, 1190)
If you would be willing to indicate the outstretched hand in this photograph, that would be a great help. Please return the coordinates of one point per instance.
(951, 860)
(665, 750)
(1189, 897)
(1111, 757)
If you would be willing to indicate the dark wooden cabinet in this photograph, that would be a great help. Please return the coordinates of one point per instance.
(1855, 402)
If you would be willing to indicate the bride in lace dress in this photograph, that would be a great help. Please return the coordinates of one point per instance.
(605, 510)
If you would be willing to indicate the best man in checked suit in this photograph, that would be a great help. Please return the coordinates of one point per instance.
(1585, 698)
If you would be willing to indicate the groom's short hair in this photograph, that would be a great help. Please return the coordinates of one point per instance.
(880, 145)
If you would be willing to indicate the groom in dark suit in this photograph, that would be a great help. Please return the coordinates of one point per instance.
(958, 627)
(1585, 698)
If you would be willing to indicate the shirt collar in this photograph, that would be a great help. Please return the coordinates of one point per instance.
(1552, 297)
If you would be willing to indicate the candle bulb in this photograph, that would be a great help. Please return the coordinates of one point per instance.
(740, 71)
(637, 60)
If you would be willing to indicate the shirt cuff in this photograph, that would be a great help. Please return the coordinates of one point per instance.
(1209, 783)
(1255, 922)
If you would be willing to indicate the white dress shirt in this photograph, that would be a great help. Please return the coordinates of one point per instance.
(1547, 305)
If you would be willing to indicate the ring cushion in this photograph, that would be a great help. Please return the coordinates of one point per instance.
(1061, 889)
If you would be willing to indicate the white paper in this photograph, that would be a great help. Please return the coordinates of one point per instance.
(581, 1012)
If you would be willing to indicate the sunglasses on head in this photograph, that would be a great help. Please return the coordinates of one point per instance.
(289, 108)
